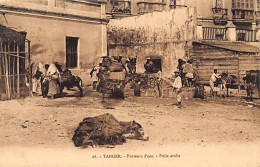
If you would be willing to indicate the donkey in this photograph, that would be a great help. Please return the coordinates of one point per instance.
(66, 79)
(225, 82)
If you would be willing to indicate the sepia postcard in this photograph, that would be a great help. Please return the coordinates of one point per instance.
(145, 83)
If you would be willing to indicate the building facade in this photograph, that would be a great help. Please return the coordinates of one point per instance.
(228, 34)
(70, 32)
(227, 20)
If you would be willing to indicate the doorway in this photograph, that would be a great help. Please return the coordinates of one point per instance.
(72, 52)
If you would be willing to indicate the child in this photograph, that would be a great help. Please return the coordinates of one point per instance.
(177, 85)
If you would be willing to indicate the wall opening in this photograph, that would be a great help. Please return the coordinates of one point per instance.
(153, 65)
(72, 52)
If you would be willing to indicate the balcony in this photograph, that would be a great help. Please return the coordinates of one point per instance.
(119, 7)
(246, 35)
(257, 14)
(148, 7)
(220, 16)
(243, 15)
(218, 34)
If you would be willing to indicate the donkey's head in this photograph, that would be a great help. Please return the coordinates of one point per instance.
(135, 131)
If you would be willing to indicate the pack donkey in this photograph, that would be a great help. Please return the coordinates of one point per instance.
(66, 79)
(226, 81)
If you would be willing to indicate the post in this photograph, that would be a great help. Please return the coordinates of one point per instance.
(238, 76)
(29, 64)
(231, 32)
(18, 72)
(6, 74)
(2, 63)
(12, 86)
(9, 70)
(199, 32)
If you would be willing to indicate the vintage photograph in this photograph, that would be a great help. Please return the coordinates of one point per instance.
(147, 83)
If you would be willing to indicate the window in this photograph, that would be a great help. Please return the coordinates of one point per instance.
(234, 3)
(238, 3)
(71, 52)
(243, 4)
(251, 3)
(153, 65)
(217, 4)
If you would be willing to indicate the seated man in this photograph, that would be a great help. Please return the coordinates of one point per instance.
(149, 67)
(188, 71)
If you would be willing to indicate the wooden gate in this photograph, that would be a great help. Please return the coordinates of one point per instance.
(14, 59)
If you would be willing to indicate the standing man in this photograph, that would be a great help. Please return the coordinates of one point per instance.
(213, 79)
(54, 83)
(177, 85)
(94, 75)
(37, 72)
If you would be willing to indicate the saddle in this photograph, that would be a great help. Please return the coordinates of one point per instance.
(66, 76)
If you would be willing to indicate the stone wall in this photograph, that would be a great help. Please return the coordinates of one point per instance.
(158, 34)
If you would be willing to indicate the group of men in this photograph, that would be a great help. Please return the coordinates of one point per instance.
(127, 65)
(186, 70)
(53, 73)
(183, 77)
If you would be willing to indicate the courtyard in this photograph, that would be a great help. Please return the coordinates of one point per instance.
(37, 131)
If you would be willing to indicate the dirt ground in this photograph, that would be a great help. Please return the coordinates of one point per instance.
(36, 131)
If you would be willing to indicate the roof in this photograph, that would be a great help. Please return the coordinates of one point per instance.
(232, 46)
(7, 34)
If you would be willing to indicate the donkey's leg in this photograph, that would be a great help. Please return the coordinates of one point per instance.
(80, 89)
(61, 90)
(227, 91)
(222, 90)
